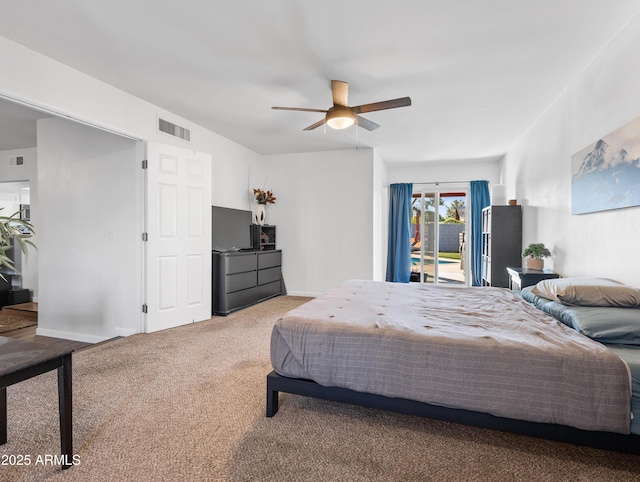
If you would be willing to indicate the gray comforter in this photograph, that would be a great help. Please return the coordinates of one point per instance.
(481, 349)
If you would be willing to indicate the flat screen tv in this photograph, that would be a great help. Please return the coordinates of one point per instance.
(230, 229)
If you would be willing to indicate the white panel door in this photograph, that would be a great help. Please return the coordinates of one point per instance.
(178, 247)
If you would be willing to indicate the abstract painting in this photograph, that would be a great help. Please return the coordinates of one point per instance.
(606, 174)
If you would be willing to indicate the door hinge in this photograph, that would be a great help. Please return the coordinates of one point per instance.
(144, 308)
(145, 237)
(145, 164)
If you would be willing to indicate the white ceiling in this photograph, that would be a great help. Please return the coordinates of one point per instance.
(479, 72)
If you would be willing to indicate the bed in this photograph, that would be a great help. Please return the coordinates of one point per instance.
(481, 356)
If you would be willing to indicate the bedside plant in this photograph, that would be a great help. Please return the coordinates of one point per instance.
(535, 254)
(11, 227)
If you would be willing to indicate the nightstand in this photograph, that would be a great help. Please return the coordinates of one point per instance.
(522, 277)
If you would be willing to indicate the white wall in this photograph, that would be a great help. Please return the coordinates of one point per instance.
(380, 215)
(324, 216)
(26, 172)
(449, 171)
(232, 165)
(605, 96)
(89, 232)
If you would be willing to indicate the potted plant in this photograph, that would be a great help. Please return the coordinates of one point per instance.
(13, 228)
(534, 254)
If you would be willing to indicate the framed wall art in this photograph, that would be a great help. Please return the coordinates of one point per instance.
(606, 174)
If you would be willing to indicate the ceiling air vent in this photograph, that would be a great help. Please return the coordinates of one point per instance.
(174, 130)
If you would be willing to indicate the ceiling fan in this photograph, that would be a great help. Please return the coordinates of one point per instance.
(341, 116)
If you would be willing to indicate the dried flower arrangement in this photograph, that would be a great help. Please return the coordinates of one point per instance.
(264, 197)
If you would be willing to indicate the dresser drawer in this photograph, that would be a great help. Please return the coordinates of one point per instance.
(241, 281)
(268, 290)
(269, 260)
(268, 275)
(242, 298)
(241, 263)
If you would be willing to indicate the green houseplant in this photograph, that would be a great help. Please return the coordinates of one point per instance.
(13, 228)
(534, 255)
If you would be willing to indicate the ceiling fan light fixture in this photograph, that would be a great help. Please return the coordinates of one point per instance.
(340, 118)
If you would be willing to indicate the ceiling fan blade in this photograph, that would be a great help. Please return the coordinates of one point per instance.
(300, 109)
(366, 123)
(313, 126)
(386, 104)
(340, 92)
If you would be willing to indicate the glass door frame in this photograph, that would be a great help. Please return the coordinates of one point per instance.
(435, 193)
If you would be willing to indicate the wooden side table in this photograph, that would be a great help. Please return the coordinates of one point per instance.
(21, 360)
(522, 277)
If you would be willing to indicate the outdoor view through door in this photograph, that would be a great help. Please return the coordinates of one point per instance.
(438, 235)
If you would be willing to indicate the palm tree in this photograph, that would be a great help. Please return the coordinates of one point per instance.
(452, 210)
(416, 220)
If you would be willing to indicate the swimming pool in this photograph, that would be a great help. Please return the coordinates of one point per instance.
(416, 261)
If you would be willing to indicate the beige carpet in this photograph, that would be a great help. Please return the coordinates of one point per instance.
(188, 404)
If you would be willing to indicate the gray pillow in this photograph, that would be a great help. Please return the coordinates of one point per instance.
(602, 323)
(589, 292)
(606, 324)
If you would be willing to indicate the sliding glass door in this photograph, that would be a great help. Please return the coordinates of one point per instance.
(438, 245)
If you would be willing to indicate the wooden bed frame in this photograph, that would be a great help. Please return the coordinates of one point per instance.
(562, 433)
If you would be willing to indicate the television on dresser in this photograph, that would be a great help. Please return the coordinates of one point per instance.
(230, 229)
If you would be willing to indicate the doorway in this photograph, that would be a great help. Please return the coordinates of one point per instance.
(438, 237)
(18, 286)
(86, 208)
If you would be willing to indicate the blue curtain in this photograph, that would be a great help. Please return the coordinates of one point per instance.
(479, 201)
(399, 250)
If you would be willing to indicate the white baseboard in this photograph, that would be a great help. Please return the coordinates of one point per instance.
(124, 331)
(67, 335)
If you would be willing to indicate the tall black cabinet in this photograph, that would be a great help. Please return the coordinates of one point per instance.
(501, 243)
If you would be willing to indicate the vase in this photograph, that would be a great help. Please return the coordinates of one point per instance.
(260, 214)
(534, 263)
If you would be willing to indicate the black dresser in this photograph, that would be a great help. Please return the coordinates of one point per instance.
(241, 279)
